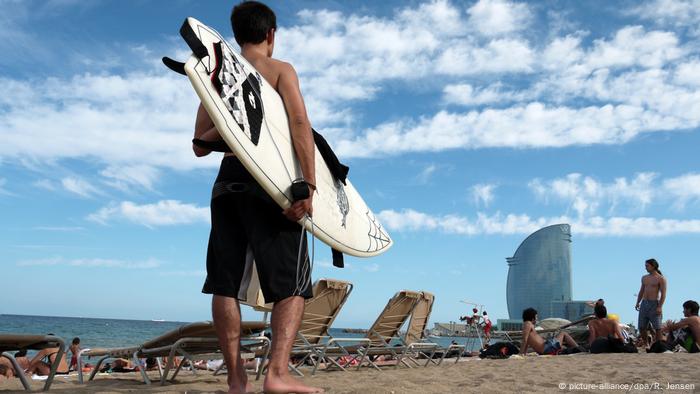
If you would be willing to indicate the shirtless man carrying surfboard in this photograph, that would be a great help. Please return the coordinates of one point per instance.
(650, 300)
(243, 221)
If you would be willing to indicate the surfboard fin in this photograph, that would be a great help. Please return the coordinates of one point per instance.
(174, 65)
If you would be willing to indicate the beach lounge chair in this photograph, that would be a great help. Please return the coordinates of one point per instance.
(15, 342)
(416, 345)
(319, 313)
(190, 341)
(382, 338)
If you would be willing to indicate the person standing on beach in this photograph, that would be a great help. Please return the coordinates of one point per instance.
(650, 300)
(487, 327)
(74, 350)
(246, 223)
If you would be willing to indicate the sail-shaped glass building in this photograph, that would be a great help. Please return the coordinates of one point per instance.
(539, 276)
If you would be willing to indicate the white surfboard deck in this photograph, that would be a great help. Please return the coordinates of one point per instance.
(341, 218)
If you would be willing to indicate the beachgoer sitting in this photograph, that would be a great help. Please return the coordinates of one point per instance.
(42, 361)
(690, 325)
(532, 339)
(605, 335)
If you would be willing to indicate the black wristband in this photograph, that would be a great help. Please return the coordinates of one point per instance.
(300, 190)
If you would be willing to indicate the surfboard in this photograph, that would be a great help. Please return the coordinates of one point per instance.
(251, 118)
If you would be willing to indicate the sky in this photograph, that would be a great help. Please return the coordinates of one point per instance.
(466, 125)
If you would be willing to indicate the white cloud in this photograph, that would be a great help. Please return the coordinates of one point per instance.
(483, 224)
(45, 184)
(482, 194)
(674, 13)
(587, 195)
(126, 177)
(528, 126)
(684, 189)
(80, 187)
(688, 73)
(162, 213)
(138, 119)
(466, 94)
(633, 81)
(426, 174)
(631, 46)
(498, 17)
(92, 263)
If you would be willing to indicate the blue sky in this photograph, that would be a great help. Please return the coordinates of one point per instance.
(467, 126)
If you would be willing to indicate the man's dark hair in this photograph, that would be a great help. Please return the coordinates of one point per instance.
(21, 353)
(529, 314)
(692, 306)
(76, 341)
(484, 313)
(251, 21)
(654, 264)
(600, 311)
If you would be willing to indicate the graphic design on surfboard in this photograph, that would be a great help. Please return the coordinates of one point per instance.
(252, 120)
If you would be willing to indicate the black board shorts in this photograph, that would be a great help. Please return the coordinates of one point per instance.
(247, 224)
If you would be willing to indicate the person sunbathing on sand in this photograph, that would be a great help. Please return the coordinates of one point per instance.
(42, 368)
(532, 339)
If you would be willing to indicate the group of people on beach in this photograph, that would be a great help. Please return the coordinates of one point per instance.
(606, 334)
(40, 363)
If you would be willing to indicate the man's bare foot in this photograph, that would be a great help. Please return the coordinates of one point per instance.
(239, 385)
(286, 384)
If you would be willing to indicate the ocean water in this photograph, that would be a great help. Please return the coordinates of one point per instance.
(95, 333)
(92, 332)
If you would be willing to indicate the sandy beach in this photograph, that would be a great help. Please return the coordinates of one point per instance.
(674, 373)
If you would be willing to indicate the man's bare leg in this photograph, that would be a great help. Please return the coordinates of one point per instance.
(227, 320)
(643, 333)
(566, 339)
(286, 318)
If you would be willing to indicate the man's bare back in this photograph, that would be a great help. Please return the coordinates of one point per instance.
(603, 328)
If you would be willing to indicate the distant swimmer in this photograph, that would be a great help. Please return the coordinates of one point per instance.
(650, 300)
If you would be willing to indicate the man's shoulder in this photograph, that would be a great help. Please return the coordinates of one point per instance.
(280, 65)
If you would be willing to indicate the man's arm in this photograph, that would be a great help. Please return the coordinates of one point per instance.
(618, 331)
(204, 129)
(302, 138)
(675, 326)
(662, 290)
(639, 296)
